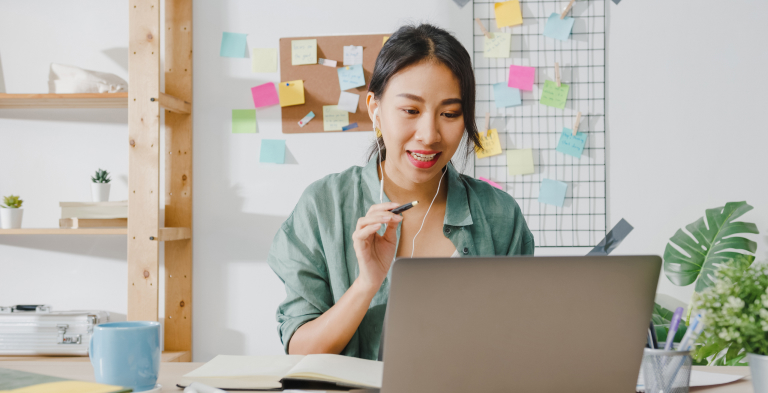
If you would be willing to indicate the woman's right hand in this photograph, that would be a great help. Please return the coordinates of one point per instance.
(375, 252)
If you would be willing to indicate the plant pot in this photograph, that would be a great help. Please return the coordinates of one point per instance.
(100, 192)
(10, 218)
(758, 365)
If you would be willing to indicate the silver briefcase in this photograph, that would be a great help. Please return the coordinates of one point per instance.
(37, 330)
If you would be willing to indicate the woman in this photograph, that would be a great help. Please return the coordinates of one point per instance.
(335, 250)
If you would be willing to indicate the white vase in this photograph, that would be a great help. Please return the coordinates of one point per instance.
(10, 218)
(758, 365)
(100, 192)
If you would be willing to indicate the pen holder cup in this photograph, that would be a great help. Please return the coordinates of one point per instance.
(666, 371)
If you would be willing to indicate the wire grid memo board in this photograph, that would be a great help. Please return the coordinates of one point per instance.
(581, 221)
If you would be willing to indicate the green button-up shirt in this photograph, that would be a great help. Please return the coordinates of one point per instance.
(313, 255)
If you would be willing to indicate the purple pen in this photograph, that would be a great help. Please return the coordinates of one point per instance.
(673, 326)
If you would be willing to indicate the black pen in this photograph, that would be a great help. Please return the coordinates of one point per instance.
(405, 207)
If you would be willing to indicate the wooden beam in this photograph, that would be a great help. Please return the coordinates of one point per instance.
(174, 104)
(143, 159)
(178, 178)
(83, 100)
(64, 231)
(171, 234)
(76, 223)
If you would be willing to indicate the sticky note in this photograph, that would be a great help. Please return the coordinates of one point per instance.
(303, 52)
(506, 96)
(498, 46)
(291, 93)
(520, 162)
(461, 3)
(386, 37)
(521, 77)
(559, 29)
(334, 118)
(244, 121)
(616, 2)
(233, 45)
(349, 127)
(491, 144)
(508, 13)
(272, 151)
(351, 77)
(554, 96)
(570, 144)
(349, 101)
(552, 192)
(306, 119)
(263, 60)
(264, 95)
(326, 62)
(353, 55)
(491, 182)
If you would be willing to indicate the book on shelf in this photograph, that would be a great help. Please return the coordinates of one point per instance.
(287, 372)
(83, 210)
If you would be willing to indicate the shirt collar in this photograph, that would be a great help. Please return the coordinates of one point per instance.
(457, 207)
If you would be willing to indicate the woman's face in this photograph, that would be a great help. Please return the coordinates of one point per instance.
(421, 120)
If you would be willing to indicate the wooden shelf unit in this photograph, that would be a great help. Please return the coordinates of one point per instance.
(166, 356)
(145, 99)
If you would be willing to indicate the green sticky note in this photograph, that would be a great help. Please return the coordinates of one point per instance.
(272, 151)
(554, 96)
(334, 118)
(244, 121)
(520, 162)
(233, 45)
(498, 46)
(264, 60)
(303, 52)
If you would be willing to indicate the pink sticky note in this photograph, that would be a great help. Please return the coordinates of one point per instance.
(521, 77)
(491, 183)
(265, 95)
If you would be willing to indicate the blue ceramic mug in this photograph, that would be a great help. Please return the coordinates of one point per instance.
(126, 354)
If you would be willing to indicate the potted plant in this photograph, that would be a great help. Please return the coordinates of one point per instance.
(735, 312)
(100, 186)
(11, 212)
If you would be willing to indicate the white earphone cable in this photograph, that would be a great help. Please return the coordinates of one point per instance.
(413, 245)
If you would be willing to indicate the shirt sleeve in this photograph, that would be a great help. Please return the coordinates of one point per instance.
(297, 257)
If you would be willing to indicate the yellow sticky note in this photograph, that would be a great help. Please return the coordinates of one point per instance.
(386, 37)
(291, 93)
(508, 13)
(520, 162)
(334, 118)
(264, 60)
(491, 144)
(498, 46)
(304, 52)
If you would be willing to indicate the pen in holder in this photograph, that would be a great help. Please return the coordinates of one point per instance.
(666, 371)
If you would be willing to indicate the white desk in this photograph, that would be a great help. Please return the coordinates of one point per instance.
(170, 373)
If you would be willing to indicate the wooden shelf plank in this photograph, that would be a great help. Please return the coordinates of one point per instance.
(173, 104)
(65, 231)
(167, 356)
(82, 100)
(171, 234)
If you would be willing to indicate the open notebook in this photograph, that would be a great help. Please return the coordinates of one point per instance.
(287, 371)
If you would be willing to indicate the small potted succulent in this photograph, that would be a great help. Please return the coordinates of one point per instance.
(11, 212)
(735, 311)
(100, 186)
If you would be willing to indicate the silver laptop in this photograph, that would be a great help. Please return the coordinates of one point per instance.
(518, 324)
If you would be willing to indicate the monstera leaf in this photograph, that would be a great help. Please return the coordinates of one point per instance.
(712, 243)
(662, 319)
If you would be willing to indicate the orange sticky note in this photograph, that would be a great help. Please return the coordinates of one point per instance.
(291, 93)
(508, 13)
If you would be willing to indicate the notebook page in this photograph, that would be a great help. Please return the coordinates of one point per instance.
(338, 368)
(242, 372)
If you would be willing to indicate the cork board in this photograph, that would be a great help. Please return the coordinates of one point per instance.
(321, 83)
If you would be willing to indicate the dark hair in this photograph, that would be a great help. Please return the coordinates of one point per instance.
(413, 44)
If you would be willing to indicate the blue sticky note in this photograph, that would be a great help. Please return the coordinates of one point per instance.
(233, 45)
(570, 144)
(506, 96)
(552, 192)
(272, 151)
(559, 29)
(349, 127)
(351, 76)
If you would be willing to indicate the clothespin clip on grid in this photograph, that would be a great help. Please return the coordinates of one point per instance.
(482, 28)
(567, 9)
(487, 124)
(576, 125)
(557, 73)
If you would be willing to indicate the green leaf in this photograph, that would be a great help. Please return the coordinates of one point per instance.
(709, 247)
(662, 319)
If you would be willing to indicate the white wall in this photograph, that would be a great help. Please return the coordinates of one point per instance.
(684, 134)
